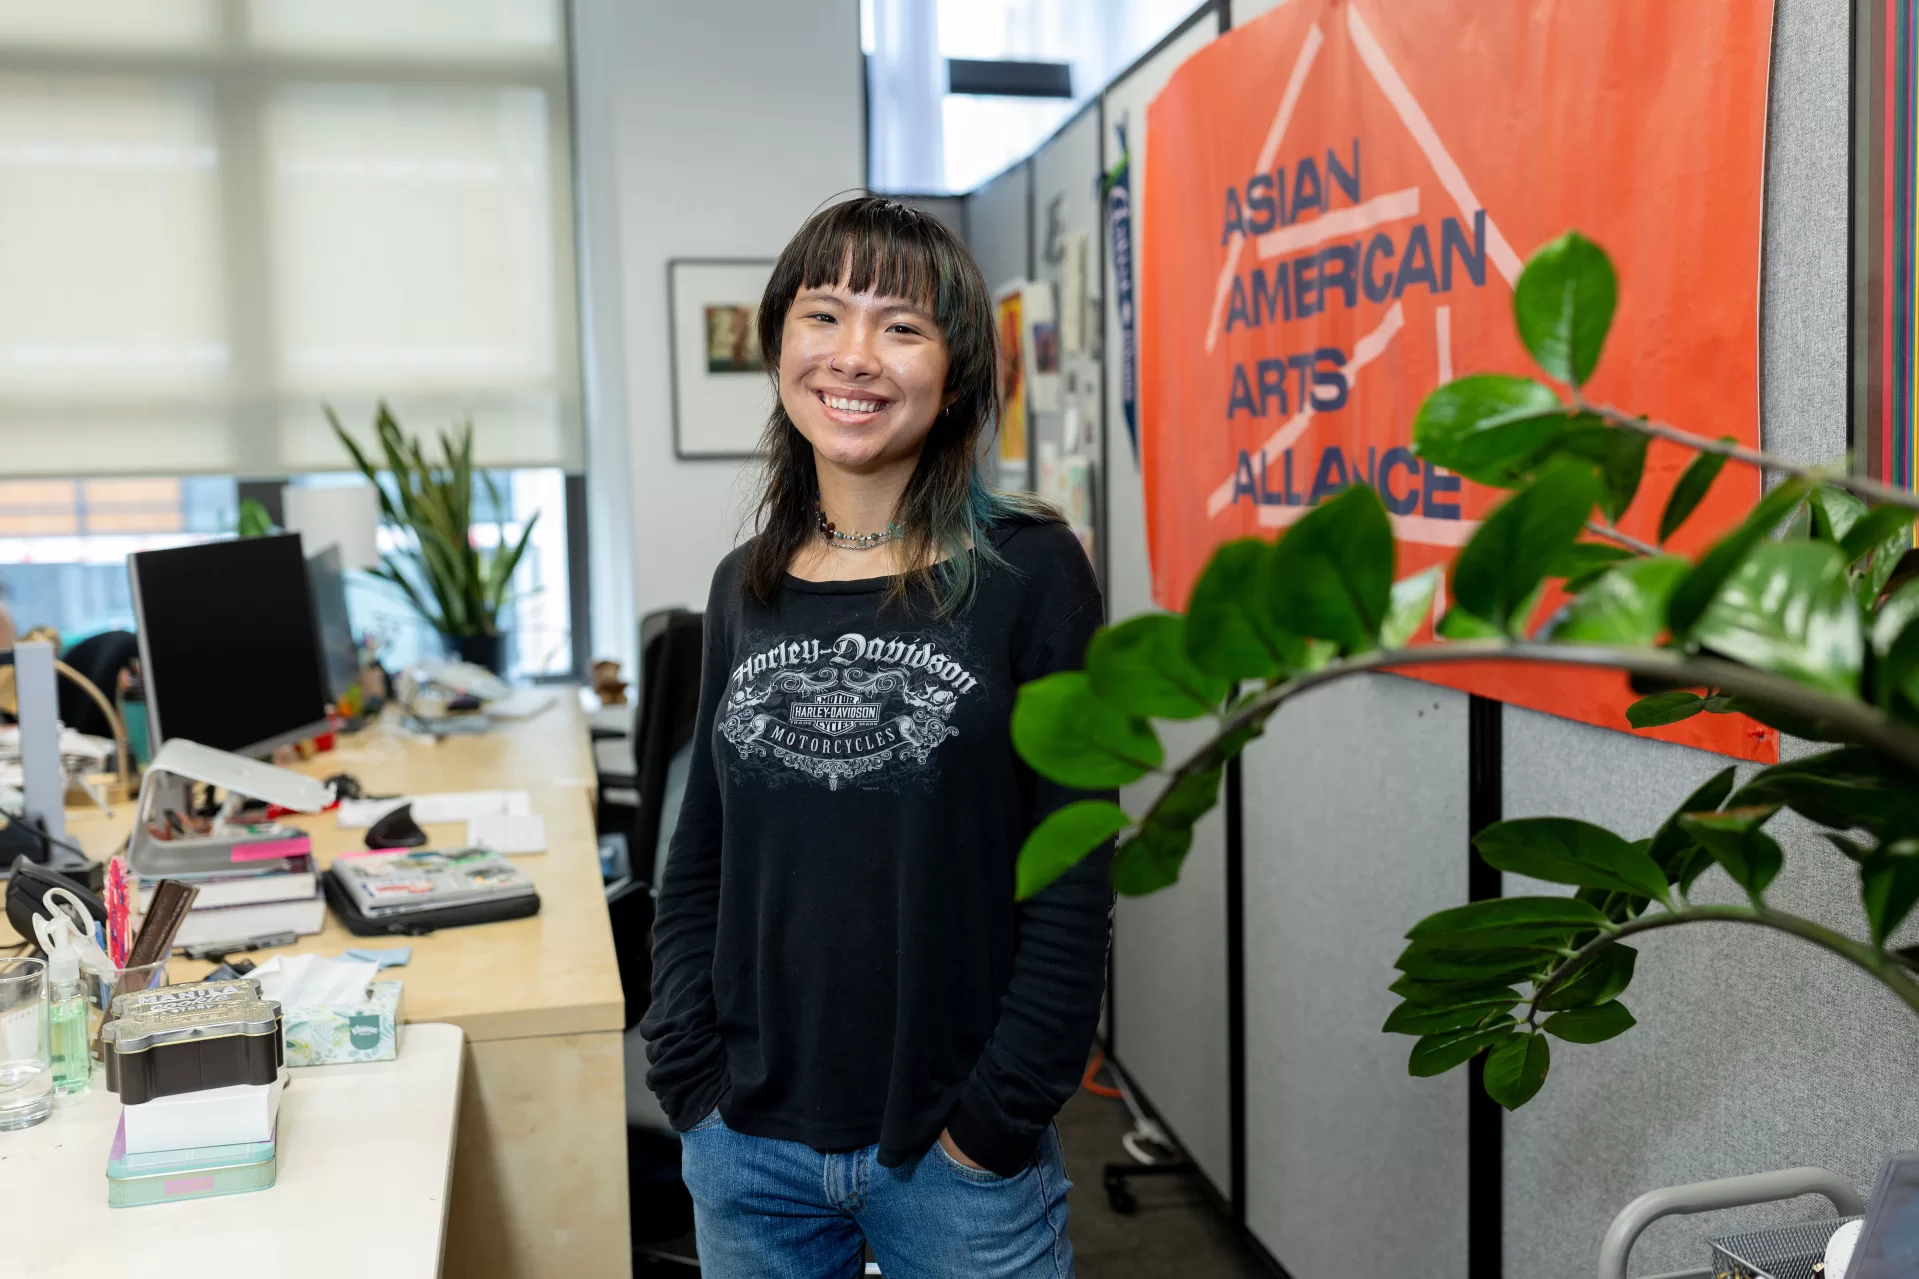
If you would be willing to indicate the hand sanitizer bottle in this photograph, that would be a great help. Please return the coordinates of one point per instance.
(67, 1011)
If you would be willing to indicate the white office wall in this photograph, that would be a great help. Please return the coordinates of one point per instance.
(1168, 1001)
(720, 126)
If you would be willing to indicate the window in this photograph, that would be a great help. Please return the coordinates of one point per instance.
(217, 216)
(925, 139)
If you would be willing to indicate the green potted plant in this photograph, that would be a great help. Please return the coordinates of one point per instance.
(458, 588)
(1805, 617)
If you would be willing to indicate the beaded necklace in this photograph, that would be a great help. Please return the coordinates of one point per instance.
(854, 541)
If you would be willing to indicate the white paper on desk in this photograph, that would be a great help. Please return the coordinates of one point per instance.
(509, 833)
(448, 806)
(312, 981)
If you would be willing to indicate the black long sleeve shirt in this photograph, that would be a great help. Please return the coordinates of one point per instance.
(838, 958)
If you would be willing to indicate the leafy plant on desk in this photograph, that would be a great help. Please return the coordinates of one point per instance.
(449, 581)
(1804, 617)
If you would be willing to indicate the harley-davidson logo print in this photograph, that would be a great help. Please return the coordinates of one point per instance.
(839, 710)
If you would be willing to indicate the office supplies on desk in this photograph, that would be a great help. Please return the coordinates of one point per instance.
(448, 806)
(162, 922)
(67, 945)
(423, 891)
(164, 844)
(200, 1172)
(508, 832)
(27, 890)
(221, 949)
(233, 1115)
(333, 1009)
(232, 926)
(396, 829)
(186, 1038)
(278, 880)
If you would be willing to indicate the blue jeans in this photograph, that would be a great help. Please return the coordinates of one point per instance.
(768, 1209)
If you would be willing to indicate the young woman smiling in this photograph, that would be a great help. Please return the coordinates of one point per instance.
(862, 1036)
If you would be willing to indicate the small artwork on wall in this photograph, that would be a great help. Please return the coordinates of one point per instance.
(732, 339)
(721, 392)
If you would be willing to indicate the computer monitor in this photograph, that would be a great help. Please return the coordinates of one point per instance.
(229, 645)
(337, 649)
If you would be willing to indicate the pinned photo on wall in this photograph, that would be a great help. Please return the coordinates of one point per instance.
(721, 394)
(1042, 347)
(1009, 309)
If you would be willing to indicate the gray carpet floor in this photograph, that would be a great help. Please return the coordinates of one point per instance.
(1176, 1231)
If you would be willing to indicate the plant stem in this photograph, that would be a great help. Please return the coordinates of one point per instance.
(1887, 969)
(1862, 485)
(1860, 723)
(1626, 540)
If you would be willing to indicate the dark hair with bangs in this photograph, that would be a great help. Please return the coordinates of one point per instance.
(881, 246)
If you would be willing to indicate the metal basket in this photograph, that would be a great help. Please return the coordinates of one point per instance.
(1784, 1252)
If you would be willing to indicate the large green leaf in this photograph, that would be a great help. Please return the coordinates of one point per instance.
(1590, 1025)
(1895, 644)
(1561, 850)
(1853, 787)
(1451, 994)
(1584, 563)
(1516, 1068)
(1735, 840)
(1437, 1054)
(1564, 304)
(1788, 608)
(1694, 483)
(1331, 576)
(1488, 427)
(1064, 839)
(1151, 859)
(1510, 555)
(1507, 921)
(1499, 967)
(1141, 666)
(1626, 606)
(1885, 561)
(1834, 513)
(1602, 977)
(1618, 454)
(1417, 1019)
(1658, 709)
(1675, 851)
(1412, 600)
(1228, 630)
(1889, 885)
(1690, 598)
(1071, 735)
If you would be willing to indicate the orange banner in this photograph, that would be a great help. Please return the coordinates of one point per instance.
(1338, 198)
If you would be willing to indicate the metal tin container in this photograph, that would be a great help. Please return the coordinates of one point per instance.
(186, 1038)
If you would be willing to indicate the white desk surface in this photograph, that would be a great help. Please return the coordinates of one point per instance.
(365, 1160)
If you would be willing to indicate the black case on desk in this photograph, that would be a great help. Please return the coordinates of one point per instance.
(420, 923)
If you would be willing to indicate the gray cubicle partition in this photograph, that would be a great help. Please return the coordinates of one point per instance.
(1355, 827)
(1753, 1052)
(1066, 223)
(1168, 1002)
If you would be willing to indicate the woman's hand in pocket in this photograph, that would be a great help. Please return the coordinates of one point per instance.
(951, 1147)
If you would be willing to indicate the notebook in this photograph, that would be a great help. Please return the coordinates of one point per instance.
(386, 884)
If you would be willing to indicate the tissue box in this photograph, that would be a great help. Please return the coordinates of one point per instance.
(337, 1033)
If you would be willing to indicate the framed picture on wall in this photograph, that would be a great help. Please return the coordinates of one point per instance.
(721, 391)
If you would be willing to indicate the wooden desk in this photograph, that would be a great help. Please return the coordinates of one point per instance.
(539, 1181)
(364, 1153)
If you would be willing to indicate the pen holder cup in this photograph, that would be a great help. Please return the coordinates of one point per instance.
(101, 992)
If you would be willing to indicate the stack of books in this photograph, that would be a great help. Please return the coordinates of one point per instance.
(388, 885)
(240, 900)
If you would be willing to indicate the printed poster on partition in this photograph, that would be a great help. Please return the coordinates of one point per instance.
(1341, 197)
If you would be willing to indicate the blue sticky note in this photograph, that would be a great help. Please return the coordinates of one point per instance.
(384, 956)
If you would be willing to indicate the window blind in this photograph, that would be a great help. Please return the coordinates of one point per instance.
(218, 215)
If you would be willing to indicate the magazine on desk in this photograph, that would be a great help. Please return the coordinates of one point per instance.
(387, 884)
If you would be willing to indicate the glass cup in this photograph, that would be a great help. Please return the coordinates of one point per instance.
(101, 992)
(26, 1044)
